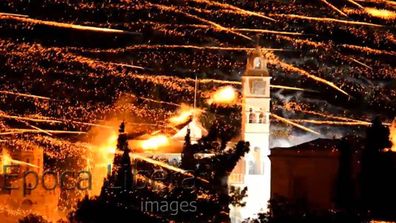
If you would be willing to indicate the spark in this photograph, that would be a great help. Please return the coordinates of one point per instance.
(334, 8)
(24, 95)
(60, 24)
(287, 121)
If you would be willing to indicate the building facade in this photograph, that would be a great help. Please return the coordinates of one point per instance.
(254, 171)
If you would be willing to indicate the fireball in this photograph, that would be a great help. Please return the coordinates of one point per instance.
(224, 96)
(155, 142)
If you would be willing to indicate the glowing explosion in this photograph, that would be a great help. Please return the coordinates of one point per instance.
(224, 96)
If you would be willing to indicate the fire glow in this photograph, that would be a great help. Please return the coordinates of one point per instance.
(224, 96)
(155, 142)
(392, 135)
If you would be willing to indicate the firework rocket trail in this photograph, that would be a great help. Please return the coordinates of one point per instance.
(22, 131)
(287, 121)
(356, 4)
(4, 16)
(275, 61)
(165, 165)
(325, 122)
(215, 25)
(334, 8)
(232, 7)
(24, 95)
(330, 20)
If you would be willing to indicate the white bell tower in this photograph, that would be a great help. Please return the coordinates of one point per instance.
(256, 131)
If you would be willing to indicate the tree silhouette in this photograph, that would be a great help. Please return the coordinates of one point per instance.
(203, 187)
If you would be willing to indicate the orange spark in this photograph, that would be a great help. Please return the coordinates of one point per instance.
(287, 121)
(224, 96)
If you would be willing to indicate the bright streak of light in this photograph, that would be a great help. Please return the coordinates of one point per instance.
(368, 50)
(55, 121)
(267, 31)
(356, 4)
(287, 121)
(334, 8)
(274, 60)
(242, 11)
(22, 131)
(6, 159)
(24, 95)
(60, 24)
(37, 128)
(164, 165)
(358, 62)
(155, 142)
(381, 13)
(326, 122)
(213, 24)
(224, 96)
(330, 20)
(292, 88)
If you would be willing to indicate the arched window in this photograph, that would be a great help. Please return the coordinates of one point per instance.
(257, 63)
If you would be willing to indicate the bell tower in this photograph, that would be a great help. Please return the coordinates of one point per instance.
(256, 130)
